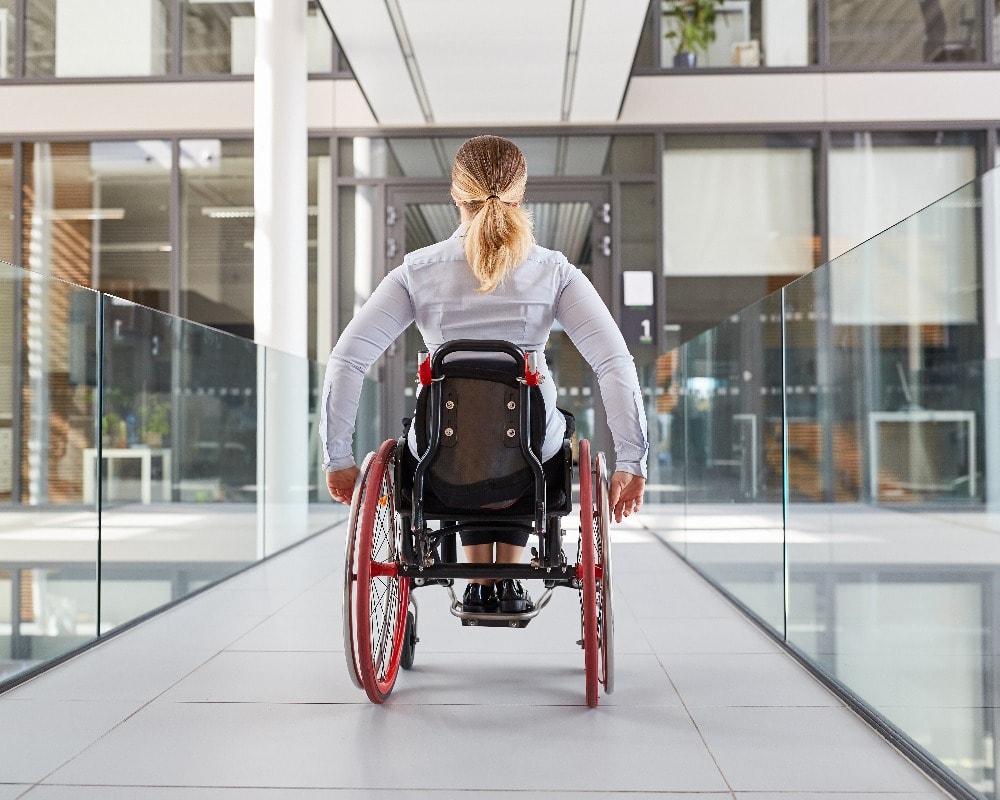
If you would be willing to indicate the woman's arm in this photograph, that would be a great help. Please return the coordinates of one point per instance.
(590, 326)
(384, 316)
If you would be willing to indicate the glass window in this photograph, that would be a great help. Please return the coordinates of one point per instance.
(7, 203)
(97, 38)
(219, 39)
(877, 179)
(96, 214)
(996, 33)
(904, 32)
(217, 233)
(6, 39)
(743, 33)
(736, 207)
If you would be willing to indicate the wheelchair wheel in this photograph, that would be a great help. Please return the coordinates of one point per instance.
(351, 573)
(409, 641)
(588, 575)
(381, 595)
(605, 610)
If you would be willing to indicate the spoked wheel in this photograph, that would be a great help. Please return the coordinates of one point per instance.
(602, 543)
(351, 574)
(381, 595)
(587, 574)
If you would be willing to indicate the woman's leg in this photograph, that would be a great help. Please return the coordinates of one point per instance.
(509, 553)
(480, 554)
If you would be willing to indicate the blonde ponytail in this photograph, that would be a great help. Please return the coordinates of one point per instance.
(488, 178)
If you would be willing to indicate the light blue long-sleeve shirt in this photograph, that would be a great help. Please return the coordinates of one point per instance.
(435, 288)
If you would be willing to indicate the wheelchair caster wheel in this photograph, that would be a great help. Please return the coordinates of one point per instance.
(409, 641)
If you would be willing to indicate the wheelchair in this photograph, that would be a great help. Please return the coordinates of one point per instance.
(479, 426)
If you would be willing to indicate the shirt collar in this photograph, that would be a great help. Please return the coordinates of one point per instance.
(459, 231)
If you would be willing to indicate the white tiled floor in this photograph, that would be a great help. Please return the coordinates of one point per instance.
(243, 693)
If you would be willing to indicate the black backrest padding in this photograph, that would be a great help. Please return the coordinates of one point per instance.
(479, 462)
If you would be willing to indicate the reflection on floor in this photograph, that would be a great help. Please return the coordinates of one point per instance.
(242, 692)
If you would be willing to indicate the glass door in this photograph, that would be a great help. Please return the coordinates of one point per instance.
(574, 219)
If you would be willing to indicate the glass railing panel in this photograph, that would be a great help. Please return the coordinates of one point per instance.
(733, 460)
(287, 478)
(663, 384)
(48, 423)
(179, 456)
(891, 555)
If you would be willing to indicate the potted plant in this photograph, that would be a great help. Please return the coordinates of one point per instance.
(157, 423)
(692, 29)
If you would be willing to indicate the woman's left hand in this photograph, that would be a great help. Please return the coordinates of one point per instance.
(625, 494)
(341, 484)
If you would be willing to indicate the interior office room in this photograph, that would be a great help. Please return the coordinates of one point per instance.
(792, 212)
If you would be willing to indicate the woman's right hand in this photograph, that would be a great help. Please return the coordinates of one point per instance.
(625, 494)
(340, 483)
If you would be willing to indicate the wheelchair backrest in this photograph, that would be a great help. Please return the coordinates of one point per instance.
(481, 456)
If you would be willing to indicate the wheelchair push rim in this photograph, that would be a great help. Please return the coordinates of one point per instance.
(381, 595)
(605, 604)
(350, 574)
(588, 575)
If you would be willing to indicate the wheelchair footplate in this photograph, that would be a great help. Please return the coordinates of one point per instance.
(497, 619)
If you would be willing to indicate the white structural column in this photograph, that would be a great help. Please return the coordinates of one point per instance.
(280, 271)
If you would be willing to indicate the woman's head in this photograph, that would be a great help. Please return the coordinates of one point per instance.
(488, 181)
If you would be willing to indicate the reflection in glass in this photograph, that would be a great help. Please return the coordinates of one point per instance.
(899, 32)
(179, 449)
(84, 38)
(882, 429)
(48, 540)
(733, 417)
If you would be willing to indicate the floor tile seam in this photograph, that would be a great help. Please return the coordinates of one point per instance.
(452, 792)
(141, 707)
(274, 612)
(694, 724)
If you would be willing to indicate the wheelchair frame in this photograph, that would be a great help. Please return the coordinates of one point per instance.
(391, 551)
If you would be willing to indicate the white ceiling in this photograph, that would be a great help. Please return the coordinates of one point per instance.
(463, 62)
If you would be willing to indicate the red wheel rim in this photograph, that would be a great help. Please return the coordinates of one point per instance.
(351, 574)
(605, 608)
(588, 577)
(382, 596)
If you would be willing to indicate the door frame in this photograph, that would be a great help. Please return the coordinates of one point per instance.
(394, 404)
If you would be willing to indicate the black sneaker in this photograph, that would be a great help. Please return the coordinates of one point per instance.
(512, 598)
(479, 598)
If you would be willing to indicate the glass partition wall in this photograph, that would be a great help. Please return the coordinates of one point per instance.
(132, 440)
(836, 449)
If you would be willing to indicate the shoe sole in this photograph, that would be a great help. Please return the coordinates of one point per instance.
(513, 606)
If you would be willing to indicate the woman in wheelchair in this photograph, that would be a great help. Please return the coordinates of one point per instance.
(490, 281)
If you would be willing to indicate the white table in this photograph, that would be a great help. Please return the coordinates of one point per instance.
(920, 416)
(145, 455)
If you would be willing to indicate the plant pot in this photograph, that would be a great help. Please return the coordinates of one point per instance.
(686, 60)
